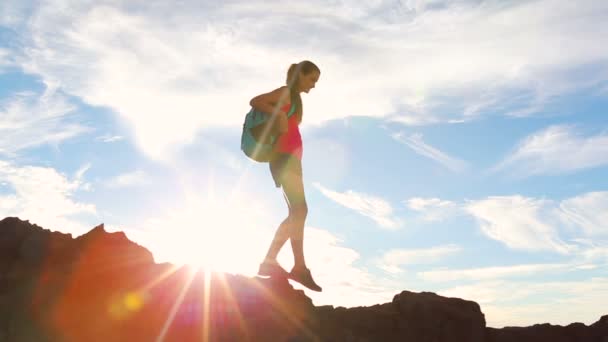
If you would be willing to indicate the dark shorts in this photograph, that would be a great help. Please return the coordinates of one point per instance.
(282, 164)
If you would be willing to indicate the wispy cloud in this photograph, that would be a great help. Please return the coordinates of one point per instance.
(376, 208)
(588, 211)
(5, 59)
(416, 143)
(487, 273)
(29, 120)
(43, 196)
(393, 260)
(557, 149)
(516, 303)
(433, 209)
(129, 179)
(79, 177)
(82, 170)
(527, 223)
(142, 65)
(198, 229)
(108, 138)
(13, 13)
(595, 253)
(337, 267)
(518, 222)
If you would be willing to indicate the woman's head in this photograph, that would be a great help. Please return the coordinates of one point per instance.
(303, 76)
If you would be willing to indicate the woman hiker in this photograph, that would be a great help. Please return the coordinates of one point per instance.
(286, 170)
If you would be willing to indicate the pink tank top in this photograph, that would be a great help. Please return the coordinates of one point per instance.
(290, 142)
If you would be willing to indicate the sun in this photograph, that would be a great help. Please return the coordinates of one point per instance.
(220, 235)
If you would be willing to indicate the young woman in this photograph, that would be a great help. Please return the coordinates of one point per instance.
(286, 170)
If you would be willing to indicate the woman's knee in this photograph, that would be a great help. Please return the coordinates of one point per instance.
(299, 212)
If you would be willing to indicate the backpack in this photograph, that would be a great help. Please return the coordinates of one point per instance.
(259, 134)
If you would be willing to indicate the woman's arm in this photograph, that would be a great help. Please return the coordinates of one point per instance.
(271, 103)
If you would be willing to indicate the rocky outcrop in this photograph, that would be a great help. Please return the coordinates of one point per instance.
(409, 317)
(103, 287)
(576, 332)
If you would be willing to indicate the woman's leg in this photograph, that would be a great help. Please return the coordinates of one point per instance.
(289, 175)
(293, 187)
(293, 226)
(280, 237)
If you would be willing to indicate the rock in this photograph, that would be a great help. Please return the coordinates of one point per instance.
(429, 317)
(103, 287)
(576, 332)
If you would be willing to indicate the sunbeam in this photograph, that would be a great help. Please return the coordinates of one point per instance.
(206, 305)
(175, 307)
(232, 302)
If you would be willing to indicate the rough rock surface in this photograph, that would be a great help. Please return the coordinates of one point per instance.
(409, 317)
(103, 287)
(575, 332)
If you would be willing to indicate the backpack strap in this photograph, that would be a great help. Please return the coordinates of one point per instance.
(291, 110)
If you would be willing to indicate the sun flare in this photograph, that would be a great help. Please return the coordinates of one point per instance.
(212, 234)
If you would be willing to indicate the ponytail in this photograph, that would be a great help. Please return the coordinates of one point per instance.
(293, 78)
(293, 75)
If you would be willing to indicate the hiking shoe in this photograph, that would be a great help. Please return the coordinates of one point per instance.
(304, 277)
(272, 269)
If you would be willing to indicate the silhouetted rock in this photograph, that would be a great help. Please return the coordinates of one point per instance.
(103, 287)
(576, 332)
(410, 317)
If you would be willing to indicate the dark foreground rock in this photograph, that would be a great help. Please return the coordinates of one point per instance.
(103, 287)
(409, 317)
(576, 332)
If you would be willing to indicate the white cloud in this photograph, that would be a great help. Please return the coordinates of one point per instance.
(392, 260)
(129, 179)
(541, 225)
(490, 273)
(13, 12)
(344, 282)
(531, 224)
(519, 303)
(597, 254)
(82, 170)
(588, 211)
(79, 177)
(433, 209)
(370, 206)
(202, 230)
(518, 222)
(4, 59)
(108, 138)
(489, 291)
(29, 120)
(416, 143)
(170, 70)
(557, 149)
(43, 196)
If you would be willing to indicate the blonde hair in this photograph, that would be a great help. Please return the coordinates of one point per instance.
(293, 78)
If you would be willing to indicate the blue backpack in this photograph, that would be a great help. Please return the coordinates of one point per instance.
(259, 134)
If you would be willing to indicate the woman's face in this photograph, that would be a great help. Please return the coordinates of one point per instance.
(308, 81)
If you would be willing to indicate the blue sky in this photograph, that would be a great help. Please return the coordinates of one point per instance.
(458, 147)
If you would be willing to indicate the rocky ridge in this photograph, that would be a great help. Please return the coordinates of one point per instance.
(103, 287)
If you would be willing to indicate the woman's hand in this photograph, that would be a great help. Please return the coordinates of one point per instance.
(272, 102)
